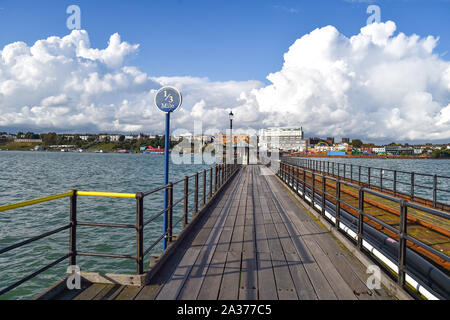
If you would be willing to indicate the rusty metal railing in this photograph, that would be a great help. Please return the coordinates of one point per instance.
(332, 207)
(425, 189)
(222, 173)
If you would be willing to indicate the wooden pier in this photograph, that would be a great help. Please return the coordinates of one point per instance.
(255, 241)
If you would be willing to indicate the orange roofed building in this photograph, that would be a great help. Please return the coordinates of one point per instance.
(237, 138)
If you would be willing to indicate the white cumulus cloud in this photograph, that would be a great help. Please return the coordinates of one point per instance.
(64, 84)
(376, 85)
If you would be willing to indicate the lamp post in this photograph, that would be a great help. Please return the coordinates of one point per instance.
(231, 115)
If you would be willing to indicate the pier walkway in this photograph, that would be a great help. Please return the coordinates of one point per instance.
(256, 241)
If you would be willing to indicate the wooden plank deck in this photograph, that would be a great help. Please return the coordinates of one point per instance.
(255, 242)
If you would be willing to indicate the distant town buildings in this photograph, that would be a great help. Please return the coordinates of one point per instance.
(237, 138)
(190, 138)
(282, 138)
(28, 140)
(378, 150)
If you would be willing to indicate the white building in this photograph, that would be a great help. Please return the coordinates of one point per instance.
(322, 148)
(131, 137)
(341, 146)
(282, 138)
(379, 150)
(103, 137)
(85, 138)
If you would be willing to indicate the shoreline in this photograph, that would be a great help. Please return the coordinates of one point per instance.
(365, 157)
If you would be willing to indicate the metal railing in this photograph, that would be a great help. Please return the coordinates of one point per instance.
(217, 175)
(414, 186)
(406, 269)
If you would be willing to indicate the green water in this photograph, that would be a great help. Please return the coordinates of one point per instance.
(30, 175)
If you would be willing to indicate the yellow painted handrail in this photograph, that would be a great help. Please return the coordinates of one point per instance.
(63, 195)
(106, 194)
(35, 201)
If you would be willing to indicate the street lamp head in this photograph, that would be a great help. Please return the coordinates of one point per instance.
(231, 115)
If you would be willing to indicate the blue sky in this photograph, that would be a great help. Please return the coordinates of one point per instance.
(379, 82)
(219, 39)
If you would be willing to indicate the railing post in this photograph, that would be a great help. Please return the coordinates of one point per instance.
(324, 186)
(196, 194)
(210, 182)
(291, 177)
(204, 186)
(412, 186)
(280, 171)
(297, 179)
(313, 188)
(434, 191)
(338, 202)
(339, 169)
(368, 176)
(344, 170)
(139, 233)
(402, 242)
(304, 184)
(381, 180)
(361, 218)
(395, 183)
(170, 213)
(351, 173)
(333, 168)
(73, 228)
(215, 178)
(359, 175)
(186, 202)
(287, 174)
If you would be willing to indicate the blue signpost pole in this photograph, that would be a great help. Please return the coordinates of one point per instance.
(166, 175)
(168, 100)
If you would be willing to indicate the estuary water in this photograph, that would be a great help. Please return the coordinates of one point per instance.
(30, 175)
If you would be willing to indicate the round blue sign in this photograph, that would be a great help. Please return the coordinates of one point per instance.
(168, 99)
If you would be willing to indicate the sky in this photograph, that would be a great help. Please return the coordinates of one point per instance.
(299, 63)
